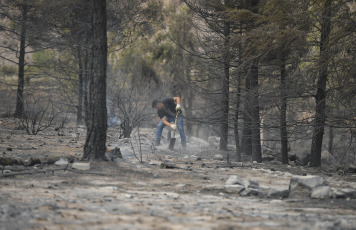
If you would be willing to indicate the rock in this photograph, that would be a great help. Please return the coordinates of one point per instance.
(274, 193)
(234, 188)
(218, 157)
(303, 185)
(351, 169)
(81, 165)
(252, 184)
(250, 192)
(322, 192)
(62, 162)
(233, 180)
(344, 193)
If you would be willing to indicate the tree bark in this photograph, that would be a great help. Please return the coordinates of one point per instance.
(80, 87)
(236, 123)
(95, 145)
(224, 126)
(246, 139)
(21, 75)
(320, 97)
(255, 115)
(283, 115)
(237, 105)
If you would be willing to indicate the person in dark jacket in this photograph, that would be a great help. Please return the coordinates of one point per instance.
(166, 110)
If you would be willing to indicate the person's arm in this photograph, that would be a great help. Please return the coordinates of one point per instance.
(177, 100)
(166, 122)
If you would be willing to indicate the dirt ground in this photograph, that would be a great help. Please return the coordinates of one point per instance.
(180, 189)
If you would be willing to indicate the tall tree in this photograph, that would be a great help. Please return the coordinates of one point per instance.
(21, 74)
(320, 97)
(95, 144)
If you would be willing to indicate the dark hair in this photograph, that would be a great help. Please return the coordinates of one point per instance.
(154, 103)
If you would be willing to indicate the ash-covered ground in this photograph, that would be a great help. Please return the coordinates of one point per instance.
(155, 188)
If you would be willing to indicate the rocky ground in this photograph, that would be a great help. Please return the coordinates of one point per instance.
(44, 185)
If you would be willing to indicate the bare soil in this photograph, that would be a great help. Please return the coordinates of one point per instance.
(180, 189)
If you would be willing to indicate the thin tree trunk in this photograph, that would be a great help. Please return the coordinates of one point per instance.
(246, 139)
(236, 124)
(86, 83)
(95, 145)
(237, 106)
(283, 115)
(21, 75)
(320, 97)
(255, 115)
(331, 139)
(80, 87)
(224, 126)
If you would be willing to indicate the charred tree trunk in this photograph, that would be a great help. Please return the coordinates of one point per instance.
(224, 126)
(95, 145)
(21, 75)
(246, 140)
(236, 123)
(80, 88)
(237, 106)
(283, 115)
(255, 115)
(320, 97)
(86, 75)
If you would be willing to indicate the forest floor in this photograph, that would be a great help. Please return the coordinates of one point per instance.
(180, 189)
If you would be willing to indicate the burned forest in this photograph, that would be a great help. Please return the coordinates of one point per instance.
(177, 114)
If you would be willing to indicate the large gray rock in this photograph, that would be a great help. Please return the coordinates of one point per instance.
(308, 182)
(233, 180)
(252, 184)
(235, 188)
(274, 193)
(250, 192)
(351, 169)
(303, 185)
(322, 192)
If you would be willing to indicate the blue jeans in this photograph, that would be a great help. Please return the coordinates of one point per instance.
(180, 127)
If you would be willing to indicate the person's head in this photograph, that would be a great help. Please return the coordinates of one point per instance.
(157, 104)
